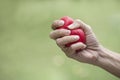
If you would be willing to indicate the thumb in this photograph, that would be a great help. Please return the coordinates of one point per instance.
(80, 24)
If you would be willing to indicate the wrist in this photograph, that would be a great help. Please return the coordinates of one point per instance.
(110, 61)
(106, 58)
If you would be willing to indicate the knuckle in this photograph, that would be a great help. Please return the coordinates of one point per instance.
(68, 39)
(51, 35)
(58, 42)
(72, 48)
(64, 32)
(89, 27)
(55, 21)
(54, 24)
(60, 32)
(68, 55)
(78, 21)
(60, 22)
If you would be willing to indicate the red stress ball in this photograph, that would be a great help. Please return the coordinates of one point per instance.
(67, 21)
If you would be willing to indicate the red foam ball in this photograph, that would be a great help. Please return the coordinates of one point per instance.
(67, 21)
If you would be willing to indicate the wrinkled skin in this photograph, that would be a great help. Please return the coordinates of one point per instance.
(88, 52)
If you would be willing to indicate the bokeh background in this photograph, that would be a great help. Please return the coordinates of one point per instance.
(27, 52)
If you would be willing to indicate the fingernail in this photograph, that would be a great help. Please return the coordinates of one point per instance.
(61, 23)
(70, 26)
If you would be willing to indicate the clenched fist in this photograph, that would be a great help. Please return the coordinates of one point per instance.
(88, 52)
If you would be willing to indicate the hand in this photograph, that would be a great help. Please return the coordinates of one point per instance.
(91, 52)
(88, 52)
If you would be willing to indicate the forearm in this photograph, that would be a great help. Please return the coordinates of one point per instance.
(110, 61)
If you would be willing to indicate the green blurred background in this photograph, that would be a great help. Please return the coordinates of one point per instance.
(27, 52)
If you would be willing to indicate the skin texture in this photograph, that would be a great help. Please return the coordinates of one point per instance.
(92, 52)
(67, 21)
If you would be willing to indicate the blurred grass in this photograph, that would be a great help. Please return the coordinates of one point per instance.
(27, 53)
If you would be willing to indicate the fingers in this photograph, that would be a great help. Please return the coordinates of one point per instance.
(77, 24)
(80, 24)
(57, 23)
(59, 33)
(78, 46)
(73, 49)
(61, 42)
